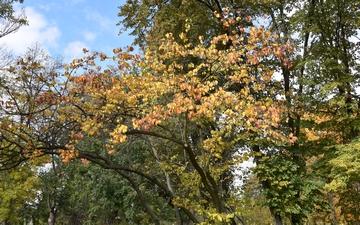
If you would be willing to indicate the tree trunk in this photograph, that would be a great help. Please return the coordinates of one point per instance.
(295, 220)
(52, 216)
(356, 215)
(330, 197)
(314, 219)
(357, 220)
(178, 215)
(277, 220)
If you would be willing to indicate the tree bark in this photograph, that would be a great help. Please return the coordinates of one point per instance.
(357, 222)
(277, 220)
(52, 216)
(330, 197)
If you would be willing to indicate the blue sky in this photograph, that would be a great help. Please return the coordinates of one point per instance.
(65, 27)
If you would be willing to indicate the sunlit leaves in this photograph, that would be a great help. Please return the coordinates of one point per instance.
(18, 188)
(344, 166)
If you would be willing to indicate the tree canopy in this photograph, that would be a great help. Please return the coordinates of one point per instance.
(216, 84)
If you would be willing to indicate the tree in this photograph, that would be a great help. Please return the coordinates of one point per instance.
(9, 21)
(25, 120)
(159, 102)
(85, 193)
(152, 108)
(324, 64)
(213, 14)
(344, 181)
(149, 21)
(256, 211)
(18, 189)
(27, 109)
(333, 60)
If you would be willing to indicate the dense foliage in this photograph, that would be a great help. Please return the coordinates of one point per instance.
(162, 136)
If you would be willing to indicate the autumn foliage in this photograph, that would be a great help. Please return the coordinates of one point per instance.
(172, 101)
(178, 120)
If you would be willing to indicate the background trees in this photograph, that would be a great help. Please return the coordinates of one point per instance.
(18, 194)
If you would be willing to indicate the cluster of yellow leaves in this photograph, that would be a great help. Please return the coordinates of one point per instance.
(68, 155)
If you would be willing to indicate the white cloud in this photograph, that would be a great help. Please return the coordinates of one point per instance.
(103, 21)
(74, 50)
(45, 7)
(89, 36)
(38, 30)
